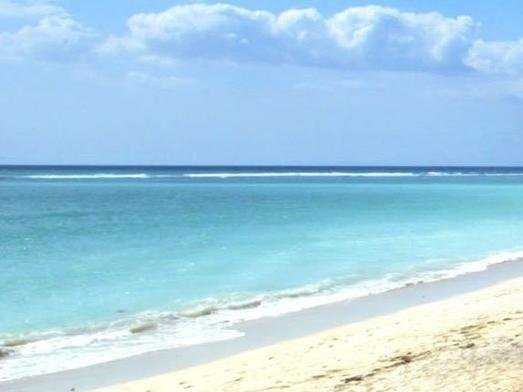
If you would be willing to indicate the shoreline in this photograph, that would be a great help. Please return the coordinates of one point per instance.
(470, 342)
(282, 329)
(214, 323)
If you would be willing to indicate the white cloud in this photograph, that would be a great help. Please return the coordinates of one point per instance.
(158, 82)
(357, 38)
(378, 36)
(10, 9)
(497, 57)
(360, 37)
(52, 35)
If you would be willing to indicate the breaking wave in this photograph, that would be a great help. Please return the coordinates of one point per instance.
(95, 176)
(348, 174)
(257, 174)
(300, 174)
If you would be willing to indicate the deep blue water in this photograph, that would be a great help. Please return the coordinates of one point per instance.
(86, 253)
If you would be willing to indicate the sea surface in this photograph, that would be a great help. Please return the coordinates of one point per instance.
(99, 263)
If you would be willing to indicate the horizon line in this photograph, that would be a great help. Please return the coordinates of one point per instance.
(67, 165)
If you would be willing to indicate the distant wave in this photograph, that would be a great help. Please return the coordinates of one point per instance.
(346, 174)
(210, 320)
(85, 176)
(300, 174)
(470, 174)
(275, 174)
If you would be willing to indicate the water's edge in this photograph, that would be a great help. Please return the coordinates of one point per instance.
(129, 337)
(255, 332)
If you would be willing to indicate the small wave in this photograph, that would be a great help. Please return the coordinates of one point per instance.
(328, 291)
(144, 327)
(304, 291)
(245, 305)
(300, 174)
(16, 342)
(199, 311)
(85, 176)
(350, 174)
(472, 174)
(482, 264)
(203, 310)
(67, 351)
(226, 175)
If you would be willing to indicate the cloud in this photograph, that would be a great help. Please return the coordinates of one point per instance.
(10, 9)
(47, 32)
(372, 37)
(385, 36)
(496, 57)
(357, 38)
(158, 82)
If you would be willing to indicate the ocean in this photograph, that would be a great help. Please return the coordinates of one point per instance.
(100, 263)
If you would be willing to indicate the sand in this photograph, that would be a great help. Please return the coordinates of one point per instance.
(470, 342)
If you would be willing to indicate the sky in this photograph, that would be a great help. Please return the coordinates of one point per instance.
(267, 82)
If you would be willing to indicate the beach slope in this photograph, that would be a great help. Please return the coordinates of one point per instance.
(470, 342)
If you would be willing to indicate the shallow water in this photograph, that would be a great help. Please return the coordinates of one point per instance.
(178, 255)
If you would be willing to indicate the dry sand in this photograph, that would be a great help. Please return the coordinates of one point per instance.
(471, 342)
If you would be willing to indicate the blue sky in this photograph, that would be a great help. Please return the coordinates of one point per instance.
(261, 82)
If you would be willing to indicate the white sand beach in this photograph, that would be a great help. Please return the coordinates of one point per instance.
(469, 342)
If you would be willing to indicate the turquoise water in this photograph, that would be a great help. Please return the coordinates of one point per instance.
(86, 254)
